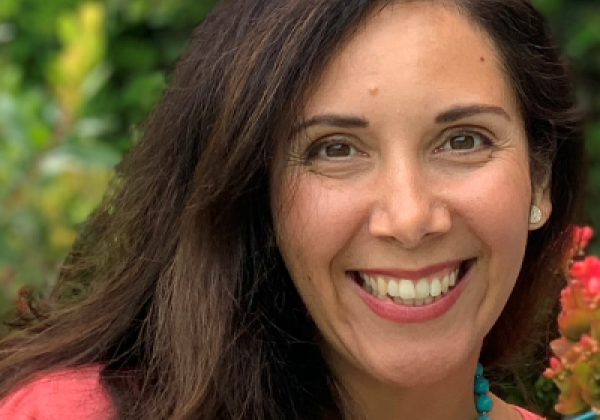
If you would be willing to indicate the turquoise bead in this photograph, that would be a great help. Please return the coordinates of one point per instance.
(482, 386)
(479, 370)
(484, 404)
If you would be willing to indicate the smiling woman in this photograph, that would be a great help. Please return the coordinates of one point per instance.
(336, 212)
(391, 226)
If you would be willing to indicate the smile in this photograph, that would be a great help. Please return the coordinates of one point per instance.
(376, 288)
(407, 292)
(410, 292)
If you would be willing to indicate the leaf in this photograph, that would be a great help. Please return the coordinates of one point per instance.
(77, 156)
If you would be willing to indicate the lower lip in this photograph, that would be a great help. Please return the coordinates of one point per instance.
(412, 314)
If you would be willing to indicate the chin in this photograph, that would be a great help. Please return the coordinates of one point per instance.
(414, 365)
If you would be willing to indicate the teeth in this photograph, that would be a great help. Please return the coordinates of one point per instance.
(407, 289)
(393, 289)
(408, 302)
(373, 283)
(381, 286)
(436, 288)
(446, 283)
(407, 292)
(422, 289)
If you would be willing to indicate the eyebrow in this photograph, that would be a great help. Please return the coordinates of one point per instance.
(461, 112)
(452, 115)
(332, 120)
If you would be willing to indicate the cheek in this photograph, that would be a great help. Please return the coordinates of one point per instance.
(495, 196)
(315, 220)
(497, 209)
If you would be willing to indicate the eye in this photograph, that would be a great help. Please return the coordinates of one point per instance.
(465, 141)
(332, 149)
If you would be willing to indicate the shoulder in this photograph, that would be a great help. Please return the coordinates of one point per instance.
(527, 415)
(69, 394)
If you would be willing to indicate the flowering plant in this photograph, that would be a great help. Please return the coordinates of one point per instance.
(575, 366)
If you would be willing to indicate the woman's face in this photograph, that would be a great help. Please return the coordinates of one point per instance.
(402, 209)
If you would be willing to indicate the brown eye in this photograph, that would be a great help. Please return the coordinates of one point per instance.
(332, 149)
(465, 142)
(337, 150)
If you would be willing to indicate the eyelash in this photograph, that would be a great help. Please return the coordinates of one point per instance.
(315, 148)
(318, 146)
(486, 141)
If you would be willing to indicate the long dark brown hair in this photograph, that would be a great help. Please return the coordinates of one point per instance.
(175, 286)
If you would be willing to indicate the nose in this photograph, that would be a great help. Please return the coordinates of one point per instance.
(408, 207)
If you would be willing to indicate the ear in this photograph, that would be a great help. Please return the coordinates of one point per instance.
(541, 198)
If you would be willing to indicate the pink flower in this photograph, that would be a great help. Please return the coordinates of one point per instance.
(576, 361)
(593, 286)
(555, 363)
(581, 239)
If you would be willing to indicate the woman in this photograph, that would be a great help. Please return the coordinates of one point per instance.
(337, 209)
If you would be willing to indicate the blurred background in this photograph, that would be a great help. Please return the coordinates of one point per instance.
(78, 76)
(76, 79)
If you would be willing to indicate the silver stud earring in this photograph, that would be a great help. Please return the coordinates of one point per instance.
(535, 216)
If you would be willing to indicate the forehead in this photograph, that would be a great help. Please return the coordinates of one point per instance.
(423, 56)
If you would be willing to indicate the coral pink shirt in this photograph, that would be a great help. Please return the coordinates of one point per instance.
(77, 394)
(74, 394)
(527, 415)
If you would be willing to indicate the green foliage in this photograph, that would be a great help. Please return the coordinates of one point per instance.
(529, 389)
(577, 24)
(77, 77)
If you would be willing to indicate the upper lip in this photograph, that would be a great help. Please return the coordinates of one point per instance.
(412, 274)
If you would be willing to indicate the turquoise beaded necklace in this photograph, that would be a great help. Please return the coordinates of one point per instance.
(481, 387)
